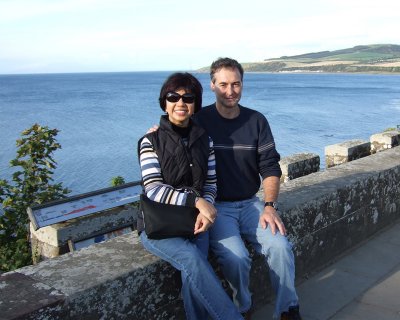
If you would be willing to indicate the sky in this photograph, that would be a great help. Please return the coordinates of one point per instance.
(51, 36)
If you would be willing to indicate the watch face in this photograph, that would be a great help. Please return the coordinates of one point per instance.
(271, 204)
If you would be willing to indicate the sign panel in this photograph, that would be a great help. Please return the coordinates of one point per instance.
(82, 205)
(75, 246)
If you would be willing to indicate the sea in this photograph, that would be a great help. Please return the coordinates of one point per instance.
(101, 116)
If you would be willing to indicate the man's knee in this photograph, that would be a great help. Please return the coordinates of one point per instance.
(233, 257)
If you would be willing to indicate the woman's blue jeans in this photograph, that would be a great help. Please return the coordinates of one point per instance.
(241, 219)
(202, 292)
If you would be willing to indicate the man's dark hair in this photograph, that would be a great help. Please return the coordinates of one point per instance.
(225, 63)
(184, 81)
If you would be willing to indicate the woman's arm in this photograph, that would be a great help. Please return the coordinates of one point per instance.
(206, 203)
(153, 183)
(210, 185)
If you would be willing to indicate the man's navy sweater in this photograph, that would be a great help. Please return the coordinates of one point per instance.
(244, 149)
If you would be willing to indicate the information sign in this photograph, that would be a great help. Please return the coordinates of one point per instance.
(84, 204)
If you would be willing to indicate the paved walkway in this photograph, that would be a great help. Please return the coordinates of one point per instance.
(364, 284)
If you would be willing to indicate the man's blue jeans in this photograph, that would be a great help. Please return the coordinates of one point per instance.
(241, 219)
(202, 292)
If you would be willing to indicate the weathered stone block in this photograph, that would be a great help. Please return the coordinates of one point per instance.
(384, 140)
(52, 241)
(298, 165)
(346, 151)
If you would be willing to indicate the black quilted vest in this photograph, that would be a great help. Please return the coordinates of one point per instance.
(181, 166)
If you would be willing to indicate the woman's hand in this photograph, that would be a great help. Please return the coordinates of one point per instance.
(202, 224)
(206, 209)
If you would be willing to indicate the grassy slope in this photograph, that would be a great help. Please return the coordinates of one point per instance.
(378, 58)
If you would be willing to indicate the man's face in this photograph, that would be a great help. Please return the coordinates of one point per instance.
(227, 86)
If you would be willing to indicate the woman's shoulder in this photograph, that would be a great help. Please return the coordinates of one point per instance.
(146, 140)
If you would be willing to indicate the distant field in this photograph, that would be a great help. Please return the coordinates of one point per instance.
(378, 58)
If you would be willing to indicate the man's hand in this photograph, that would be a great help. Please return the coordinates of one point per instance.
(152, 129)
(271, 217)
(206, 209)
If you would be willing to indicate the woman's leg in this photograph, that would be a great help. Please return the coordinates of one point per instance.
(201, 289)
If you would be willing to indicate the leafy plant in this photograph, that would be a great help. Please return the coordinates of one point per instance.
(392, 129)
(31, 185)
(117, 181)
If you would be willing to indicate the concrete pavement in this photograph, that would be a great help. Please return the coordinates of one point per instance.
(362, 284)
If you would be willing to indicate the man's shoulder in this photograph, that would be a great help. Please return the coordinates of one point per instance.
(206, 110)
(249, 114)
(250, 111)
(204, 115)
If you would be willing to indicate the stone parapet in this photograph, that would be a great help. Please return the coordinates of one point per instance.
(298, 165)
(331, 211)
(326, 213)
(384, 140)
(346, 151)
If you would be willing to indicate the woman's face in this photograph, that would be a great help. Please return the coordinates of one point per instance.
(179, 111)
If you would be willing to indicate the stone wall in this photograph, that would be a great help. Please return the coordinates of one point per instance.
(331, 211)
(326, 214)
(60, 238)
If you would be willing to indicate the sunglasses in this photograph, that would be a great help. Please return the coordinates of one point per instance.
(175, 97)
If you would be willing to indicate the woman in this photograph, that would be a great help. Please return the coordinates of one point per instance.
(178, 167)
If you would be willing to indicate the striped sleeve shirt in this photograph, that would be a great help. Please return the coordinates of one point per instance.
(155, 187)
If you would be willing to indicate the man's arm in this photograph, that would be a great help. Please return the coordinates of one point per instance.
(270, 216)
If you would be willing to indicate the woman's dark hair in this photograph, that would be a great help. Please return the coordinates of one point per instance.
(184, 81)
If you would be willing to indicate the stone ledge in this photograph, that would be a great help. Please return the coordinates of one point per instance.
(25, 296)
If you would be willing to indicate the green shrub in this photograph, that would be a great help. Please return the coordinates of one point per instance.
(117, 181)
(31, 184)
(392, 129)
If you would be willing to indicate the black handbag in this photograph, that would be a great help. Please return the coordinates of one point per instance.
(163, 220)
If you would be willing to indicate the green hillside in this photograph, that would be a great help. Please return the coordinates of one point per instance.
(377, 58)
(357, 53)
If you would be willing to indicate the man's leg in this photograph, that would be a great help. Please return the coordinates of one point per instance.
(277, 251)
(201, 289)
(232, 255)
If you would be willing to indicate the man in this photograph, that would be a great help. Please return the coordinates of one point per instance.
(245, 150)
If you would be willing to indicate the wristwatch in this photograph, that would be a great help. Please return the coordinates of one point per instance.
(271, 204)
